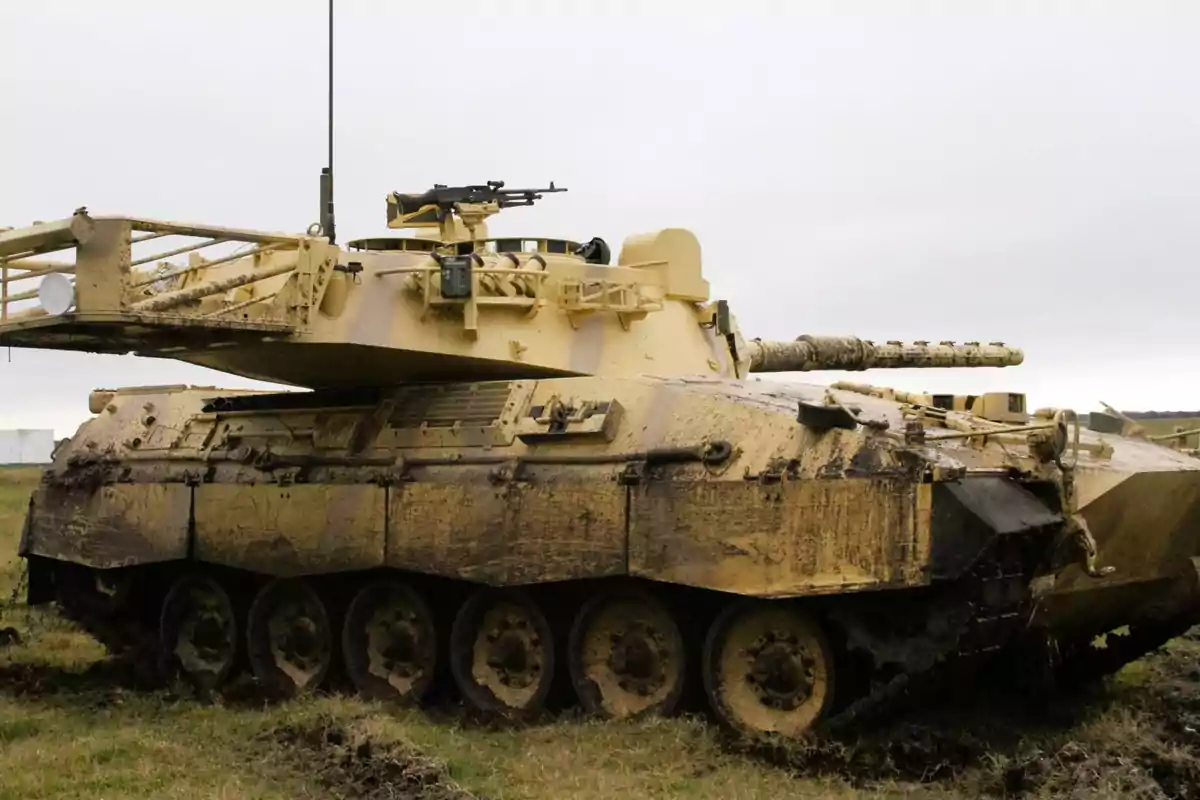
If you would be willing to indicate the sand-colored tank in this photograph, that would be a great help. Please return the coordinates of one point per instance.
(519, 462)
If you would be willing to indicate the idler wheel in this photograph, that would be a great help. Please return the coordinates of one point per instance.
(389, 642)
(768, 669)
(198, 632)
(626, 655)
(502, 652)
(288, 637)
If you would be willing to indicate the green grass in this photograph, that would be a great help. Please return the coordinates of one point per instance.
(15, 485)
(69, 731)
(135, 747)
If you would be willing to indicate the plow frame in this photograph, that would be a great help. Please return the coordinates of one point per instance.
(110, 298)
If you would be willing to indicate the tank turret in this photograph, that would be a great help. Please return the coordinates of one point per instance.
(451, 302)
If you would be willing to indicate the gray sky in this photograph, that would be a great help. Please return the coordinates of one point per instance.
(902, 170)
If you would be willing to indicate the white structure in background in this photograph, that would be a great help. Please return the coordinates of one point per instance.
(26, 446)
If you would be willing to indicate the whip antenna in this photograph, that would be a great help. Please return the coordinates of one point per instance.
(328, 227)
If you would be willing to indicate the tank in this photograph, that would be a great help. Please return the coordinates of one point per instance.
(1181, 438)
(517, 469)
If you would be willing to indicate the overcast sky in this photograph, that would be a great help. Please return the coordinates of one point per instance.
(892, 170)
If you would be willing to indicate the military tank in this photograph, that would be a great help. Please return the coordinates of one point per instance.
(1182, 438)
(511, 464)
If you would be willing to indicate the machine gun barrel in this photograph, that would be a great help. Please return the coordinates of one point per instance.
(809, 353)
(445, 197)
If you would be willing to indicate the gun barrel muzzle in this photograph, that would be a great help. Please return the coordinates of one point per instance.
(808, 353)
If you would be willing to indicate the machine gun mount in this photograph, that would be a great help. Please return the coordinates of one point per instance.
(471, 204)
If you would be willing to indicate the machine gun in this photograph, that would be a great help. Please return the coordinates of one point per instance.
(472, 204)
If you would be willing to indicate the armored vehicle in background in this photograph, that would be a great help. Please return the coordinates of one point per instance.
(515, 461)
(1182, 438)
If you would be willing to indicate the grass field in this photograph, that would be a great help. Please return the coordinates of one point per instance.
(70, 728)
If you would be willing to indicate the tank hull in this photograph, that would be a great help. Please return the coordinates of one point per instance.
(707, 499)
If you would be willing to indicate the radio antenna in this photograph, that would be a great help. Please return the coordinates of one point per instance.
(328, 227)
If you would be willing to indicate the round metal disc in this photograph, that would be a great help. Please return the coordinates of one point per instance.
(768, 669)
(198, 632)
(288, 637)
(502, 652)
(389, 642)
(626, 655)
(56, 294)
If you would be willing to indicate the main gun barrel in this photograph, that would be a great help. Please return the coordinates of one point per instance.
(809, 353)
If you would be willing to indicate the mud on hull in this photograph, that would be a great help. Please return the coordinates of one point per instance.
(442, 591)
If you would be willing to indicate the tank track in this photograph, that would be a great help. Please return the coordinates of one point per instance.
(995, 593)
(1057, 666)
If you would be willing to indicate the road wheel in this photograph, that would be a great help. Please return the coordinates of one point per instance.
(389, 642)
(626, 655)
(502, 652)
(288, 637)
(768, 669)
(197, 632)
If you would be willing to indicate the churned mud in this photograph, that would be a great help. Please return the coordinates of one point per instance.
(347, 761)
(1135, 736)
